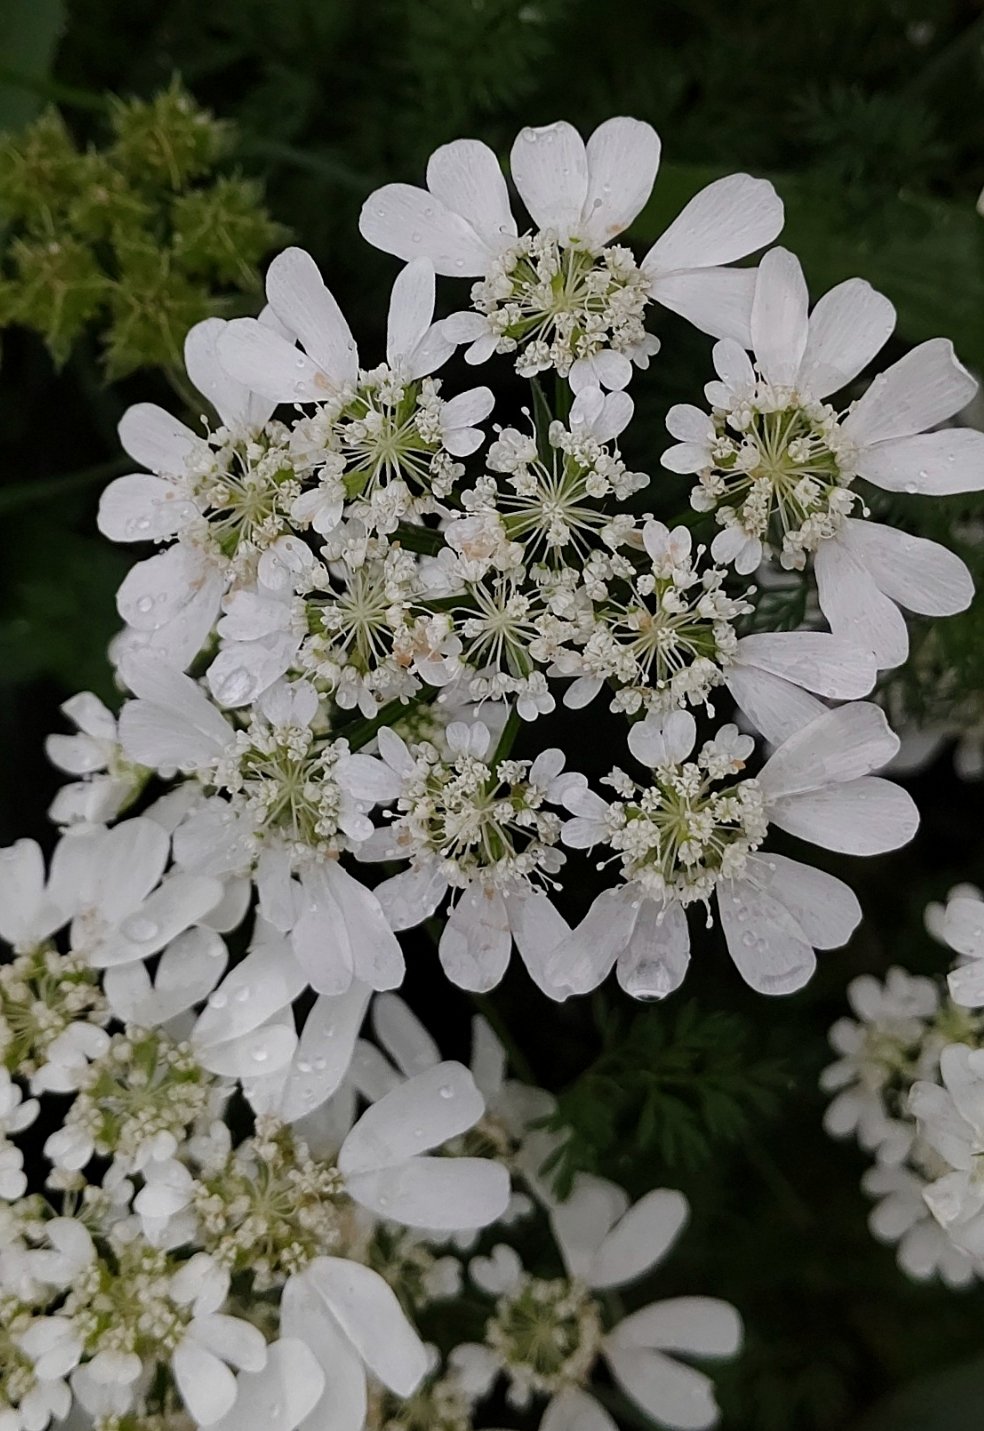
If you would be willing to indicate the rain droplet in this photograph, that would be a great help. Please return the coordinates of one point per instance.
(303, 1065)
(748, 939)
(446, 1091)
(241, 995)
(145, 604)
(234, 686)
(320, 1064)
(260, 1055)
(219, 999)
(415, 238)
(138, 929)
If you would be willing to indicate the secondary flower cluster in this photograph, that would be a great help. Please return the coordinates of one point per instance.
(362, 604)
(909, 1085)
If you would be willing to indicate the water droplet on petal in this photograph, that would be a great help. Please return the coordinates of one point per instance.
(303, 1065)
(140, 930)
(446, 1091)
(145, 604)
(241, 995)
(260, 1055)
(219, 999)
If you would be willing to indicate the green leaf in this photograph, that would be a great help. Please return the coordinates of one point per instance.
(947, 1401)
(29, 35)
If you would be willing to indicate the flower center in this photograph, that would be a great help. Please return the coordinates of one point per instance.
(547, 1335)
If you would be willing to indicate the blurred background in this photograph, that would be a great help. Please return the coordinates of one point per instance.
(127, 213)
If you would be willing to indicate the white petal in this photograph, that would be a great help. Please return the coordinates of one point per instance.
(467, 408)
(919, 574)
(157, 440)
(963, 925)
(476, 942)
(770, 950)
(848, 326)
(770, 704)
(623, 157)
(181, 901)
(691, 424)
(410, 897)
(465, 175)
(862, 817)
(582, 1221)
(235, 404)
(923, 388)
(279, 1397)
(438, 1194)
(303, 303)
(324, 1052)
(580, 963)
(935, 463)
(132, 860)
(237, 1342)
(701, 1326)
(549, 167)
(574, 1410)
(207, 1386)
(411, 310)
(488, 1060)
(656, 960)
(403, 1035)
(370, 1316)
(824, 907)
(662, 740)
(855, 607)
(639, 1239)
(259, 986)
(831, 666)
(422, 1113)
(377, 958)
(841, 744)
(779, 317)
(342, 1404)
(21, 890)
(718, 301)
(265, 1050)
(538, 928)
(178, 696)
(725, 221)
(686, 457)
(412, 223)
(141, 508)
(675, 1395)
(270, 365)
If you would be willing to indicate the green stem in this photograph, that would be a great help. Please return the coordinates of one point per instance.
(360, 732)
(418, 539)
(563, 399)
(50, 89)
(48, 489)
(507, 739)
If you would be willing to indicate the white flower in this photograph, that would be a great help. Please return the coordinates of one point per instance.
(108, 781)
(963, 930)
(580, 197)
(548, 1336)
(776, 461)
(880, 1055)
(951, 1120)
(901, 1216)
(684, 839)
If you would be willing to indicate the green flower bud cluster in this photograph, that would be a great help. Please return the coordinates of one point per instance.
(132, 241)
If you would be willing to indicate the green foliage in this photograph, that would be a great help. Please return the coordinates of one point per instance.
(133, 242)
(669, 1088)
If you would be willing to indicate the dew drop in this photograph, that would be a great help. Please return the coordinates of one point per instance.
(140, 930)
(145, 604)
(911, 488)
(219, 999)
(748, 939)
(320, 1064)
(415, 238)
(234, 686)
(303, 1065)
(260, 1055)
(241, 995)
(446, 1091)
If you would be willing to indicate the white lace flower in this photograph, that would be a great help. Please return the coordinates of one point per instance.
(951, 1120)
(563, 294)
(776, 461)
(108, 781)
(546, 1336)
(901, 1217)
(963, 929)
(685, 838)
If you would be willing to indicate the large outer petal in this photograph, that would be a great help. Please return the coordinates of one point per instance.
(673, 1394)
(270, 364)
(623, 157)
(718, 301)
(438, 1104)
(935, 463)
(728, 219)
(779, 317)
(856, 608)
(157, 440)
(279, 1397)
(639, 1239)
(848, 326)
(858, 817)
(475, 945)
(549, 167)
(919, 574)
(466, 177)
(402, 1035)
(923, 388)
(773, 706)
(702, 1326)
(367, 1311)
(842, 744)
(824, 907)
(412, 223)
(411, 310)
(580, 962)
(304, 1316)
(770, 950)
(437, 1194)
(307, 308)
(831, 666)
(658, 955)
(236, 405)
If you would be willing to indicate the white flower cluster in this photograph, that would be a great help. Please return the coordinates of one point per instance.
(336, 659)
(909, 1085)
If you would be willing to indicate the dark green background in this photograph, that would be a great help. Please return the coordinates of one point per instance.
(869, 117)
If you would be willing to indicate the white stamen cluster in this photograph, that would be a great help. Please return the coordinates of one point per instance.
(552, 304)
(43, 992)
(546, 1335)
